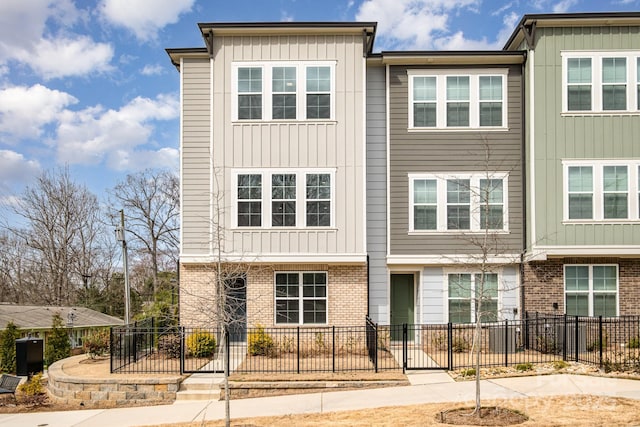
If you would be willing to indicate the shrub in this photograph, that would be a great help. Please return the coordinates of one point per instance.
(633, 343)
(97, 343)
(523, 367)
(460, 345)
(58, 346)
(260, 343)
(33, 386)
(439, 341)
(560, 364)
(8, 348)
(468, 372)
(595, 345)
(170, 345)
(546, 344)
(201, 344)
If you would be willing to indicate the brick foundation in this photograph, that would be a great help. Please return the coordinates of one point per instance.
(544, 283)
(346, 293)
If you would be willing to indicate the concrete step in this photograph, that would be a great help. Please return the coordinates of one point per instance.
(200, 387)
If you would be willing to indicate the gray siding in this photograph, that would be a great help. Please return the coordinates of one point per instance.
(451, 152)
(377, 195)
(509, 295)
(559, 137)
(196, 156)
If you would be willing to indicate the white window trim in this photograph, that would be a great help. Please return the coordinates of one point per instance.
(301, 205)
(447, 272)
(267, 83)
(474, 98)
(475, 205)
(633, 208)
(596, 81)
(590, 292)
(300, 298)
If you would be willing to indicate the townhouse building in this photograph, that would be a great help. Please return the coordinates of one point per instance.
(582, 100)
(273, 171)
(345, 183)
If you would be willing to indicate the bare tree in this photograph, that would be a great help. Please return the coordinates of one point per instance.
(150, 200)
(60, 236)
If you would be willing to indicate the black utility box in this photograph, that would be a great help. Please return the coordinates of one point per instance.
(29, 358)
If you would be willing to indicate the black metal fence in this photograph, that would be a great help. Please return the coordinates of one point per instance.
(612, 343)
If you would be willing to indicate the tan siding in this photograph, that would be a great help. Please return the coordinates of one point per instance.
(451, 152)
(595, 137)
(332, 144)
(196, 159)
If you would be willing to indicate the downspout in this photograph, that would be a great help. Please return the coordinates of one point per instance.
(523, 156)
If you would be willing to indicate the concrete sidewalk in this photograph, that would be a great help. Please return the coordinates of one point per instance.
(427, 387)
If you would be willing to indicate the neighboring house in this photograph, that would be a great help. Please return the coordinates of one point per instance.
(36, 321)
(453, 171)
(273, 170)
(583, 160)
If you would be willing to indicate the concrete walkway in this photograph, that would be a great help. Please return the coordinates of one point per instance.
(427, 387)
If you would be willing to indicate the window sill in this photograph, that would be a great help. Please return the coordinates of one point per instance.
(283, 122)
(458, 129)
(601, 222)
(455, 232)
(599, 113)
(270, 229)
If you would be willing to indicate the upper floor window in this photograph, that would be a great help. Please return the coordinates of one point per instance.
(461, 202)
(283, 91)
(450, 99)
(601, 190)
(289, 199)
(601, 82)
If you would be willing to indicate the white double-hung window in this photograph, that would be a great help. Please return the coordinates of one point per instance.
(601, 190)
(600, 82)
(273, 198)
(457, 99)
(289, 91)
(458, 202)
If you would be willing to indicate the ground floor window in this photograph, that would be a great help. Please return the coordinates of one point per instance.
(591, 290)
(466, 291)
(301, 298)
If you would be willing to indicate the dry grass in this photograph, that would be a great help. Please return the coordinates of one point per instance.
(580, 411)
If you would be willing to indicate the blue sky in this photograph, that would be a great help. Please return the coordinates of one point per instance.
(87, 83)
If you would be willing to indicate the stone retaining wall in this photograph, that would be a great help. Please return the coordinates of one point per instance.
(111, 391)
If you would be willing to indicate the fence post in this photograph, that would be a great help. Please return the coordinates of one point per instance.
(526, 330)
(333, 349)
(227, 343)
(600, 338)
(298, 356)
(405, 348)
(450, 346)
(506, 342)
(577, 337)
(564, 338)
(182, 334)
(375, 347)
(135, 343)
(111, 349)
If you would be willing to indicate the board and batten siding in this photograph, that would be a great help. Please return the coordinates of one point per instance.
(559, 137)
(337, 144)
(196, 156)
(443, 152)
(377, 194)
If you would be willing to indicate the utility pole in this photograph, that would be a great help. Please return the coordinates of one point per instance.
(121, 238)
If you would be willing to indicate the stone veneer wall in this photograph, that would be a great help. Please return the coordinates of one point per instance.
(544, 283)
(110, 392)
(346, 293)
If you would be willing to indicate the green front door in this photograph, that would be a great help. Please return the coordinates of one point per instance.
(401, 304)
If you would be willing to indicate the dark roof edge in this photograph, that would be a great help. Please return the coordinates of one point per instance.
(452, 52)
(561, 16)
(296, 24)
(172, 50)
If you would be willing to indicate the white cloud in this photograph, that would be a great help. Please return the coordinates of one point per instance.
(564, 6)
(14, 167)
(414, 24)
(144, 17)
(94, 135)
(26, 37)
(25, 110)
(164, 158)
(152, 70)
(67, 57)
